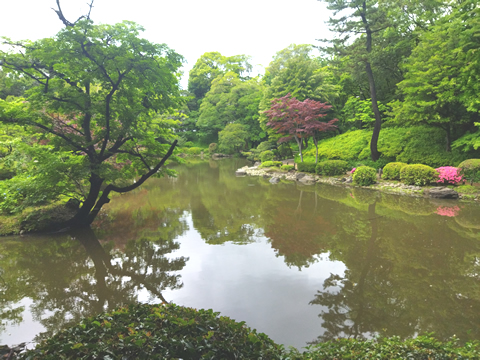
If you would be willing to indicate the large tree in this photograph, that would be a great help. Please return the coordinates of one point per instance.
(100, 91)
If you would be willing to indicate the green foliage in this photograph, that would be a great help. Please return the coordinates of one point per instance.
(470, 170)
(418, 174)
(212, 147)
(270, 164)
(144, 331)
(287, 167)
(364, 176)
(306, 167)
(422, 347)
(360, 112)
(194, 151)
(415, 144)
(267, 155)
(232, 138)
(391, 171)
(331, 167)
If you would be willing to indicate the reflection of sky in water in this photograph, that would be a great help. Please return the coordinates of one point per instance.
(249, 283)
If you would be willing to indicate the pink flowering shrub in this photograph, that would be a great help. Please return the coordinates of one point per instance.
(448, 211)
(353, 170)
(448, 175)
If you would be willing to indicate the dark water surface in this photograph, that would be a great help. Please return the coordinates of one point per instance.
(300, 263)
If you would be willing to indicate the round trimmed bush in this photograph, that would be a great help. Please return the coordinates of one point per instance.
(287, 167)
(270, 164)
(212, 147)
(267, 155)
(418, 174)
(470, 170)
(364, 176)
(194, 151)
(306, 167)
(391, 171)
(144, 331)
(331, 167)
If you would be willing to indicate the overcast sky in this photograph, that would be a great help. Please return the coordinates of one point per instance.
(258, 28)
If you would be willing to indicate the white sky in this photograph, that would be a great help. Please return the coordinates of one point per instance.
(258, 28)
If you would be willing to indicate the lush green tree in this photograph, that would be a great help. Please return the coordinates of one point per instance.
(100, 90)
(439, 89)
(13, 84)
(232, 138)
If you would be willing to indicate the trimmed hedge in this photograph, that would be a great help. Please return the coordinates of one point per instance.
(470, 170)
(306, 167)
(391, 171)
(331, 167)
(287, 167)
(418, 174)
(364, 176)
(270, 164)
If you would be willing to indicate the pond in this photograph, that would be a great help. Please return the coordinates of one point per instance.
(300, 263)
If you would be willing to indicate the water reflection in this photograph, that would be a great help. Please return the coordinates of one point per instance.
(317, 262)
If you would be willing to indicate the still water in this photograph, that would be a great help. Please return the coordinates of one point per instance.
(300, 263)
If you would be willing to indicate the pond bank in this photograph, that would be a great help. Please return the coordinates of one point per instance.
(390, 187)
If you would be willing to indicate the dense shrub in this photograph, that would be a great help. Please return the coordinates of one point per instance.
(287, 167)
(169, 331)
(194, 151)
(331, 167)
(470, 170)
(391, 171)
(418, 174)
(306, 167)
(270, 164)
(364, 176)
(212, 147)
(448, 175)
(267, 155)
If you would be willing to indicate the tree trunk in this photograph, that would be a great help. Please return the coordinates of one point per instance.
(448, 138)
(299, 143)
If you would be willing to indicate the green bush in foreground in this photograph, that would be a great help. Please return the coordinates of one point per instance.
(287, 167)
(470, 170)
(270, 164)
(331, 167)
(391, 171)
(364, 176)
(306, 167)
(418, 174)
(144, 331)
(194, 151)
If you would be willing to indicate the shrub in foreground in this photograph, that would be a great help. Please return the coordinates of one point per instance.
(270, 164)
(144, 331)
(194, 151)
(331, 167)
(364, 176)
(267, 155)
(306, 167)
(418, 174)
(391, 171)
(448, 175)
(470, 170)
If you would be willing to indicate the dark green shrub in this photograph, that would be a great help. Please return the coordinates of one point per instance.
(144, 331)
(212, 147)
(364, 176)
(188, 144)
(391, 171)
(287, 167)
(331, 167)
(270, 164)
(306, 167)
(267, 155)
(418, 174)
(470, 170)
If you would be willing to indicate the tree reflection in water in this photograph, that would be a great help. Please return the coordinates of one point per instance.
(73, 276)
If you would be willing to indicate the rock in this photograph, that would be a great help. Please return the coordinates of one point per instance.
(299, 176)
(274, 180)
(348, 180)
(442, 193)
(266, 176)
(240, 172)
(307, 180)
(258, 163)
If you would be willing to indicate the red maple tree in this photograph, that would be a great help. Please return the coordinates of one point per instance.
(299, 119)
